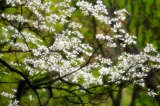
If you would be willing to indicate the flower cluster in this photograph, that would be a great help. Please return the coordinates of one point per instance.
(8, 95)
(13, 103)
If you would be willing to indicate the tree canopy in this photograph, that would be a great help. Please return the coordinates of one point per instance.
(73, 52)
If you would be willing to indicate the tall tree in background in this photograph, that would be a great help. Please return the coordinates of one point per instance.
(54, 52)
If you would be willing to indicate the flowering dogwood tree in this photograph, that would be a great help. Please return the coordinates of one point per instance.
(46, 49)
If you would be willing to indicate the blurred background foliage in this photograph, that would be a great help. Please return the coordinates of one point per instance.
(142, 21)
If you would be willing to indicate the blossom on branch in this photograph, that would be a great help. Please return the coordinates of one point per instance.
(45, 47)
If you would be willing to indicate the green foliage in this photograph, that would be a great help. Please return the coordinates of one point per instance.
(95, 72)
